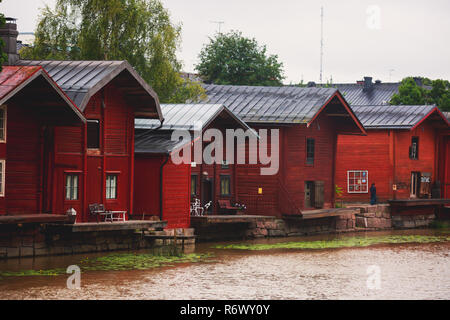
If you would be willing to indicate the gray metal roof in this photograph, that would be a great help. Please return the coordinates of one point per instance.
(187, 116)
(80, 80)
(379, 94)
(255, 104)
(155, 142)
(392, 117)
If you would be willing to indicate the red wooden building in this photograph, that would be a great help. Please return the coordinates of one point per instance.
(165, 189)
(309, 121)
(401, 153)
(94, 162)
(31, 106)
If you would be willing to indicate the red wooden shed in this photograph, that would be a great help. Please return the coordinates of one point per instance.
(94, 162)
(308, 121)
(400, 154)
(165, 189)
(31, 105)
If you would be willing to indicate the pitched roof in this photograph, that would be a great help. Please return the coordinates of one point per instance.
(271, 104)
(187, 116)
(15, 78)
(82, 79)
(178, 117)
(379, 94)
(395, 117)
(157, 142)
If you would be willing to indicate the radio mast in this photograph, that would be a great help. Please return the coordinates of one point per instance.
(321, 44)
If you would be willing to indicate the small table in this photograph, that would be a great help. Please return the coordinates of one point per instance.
(117, 216)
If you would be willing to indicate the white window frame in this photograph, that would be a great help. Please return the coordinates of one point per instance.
(4, 123)
(109, 188)
(75, 188)
(2, 189)
(348, 181)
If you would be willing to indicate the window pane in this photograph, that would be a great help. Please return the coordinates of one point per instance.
(111, 186)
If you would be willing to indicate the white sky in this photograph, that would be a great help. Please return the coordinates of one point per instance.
(410, 38)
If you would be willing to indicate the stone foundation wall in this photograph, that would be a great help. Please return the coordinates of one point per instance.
(412, 221)
(33, 240)
(358, 218)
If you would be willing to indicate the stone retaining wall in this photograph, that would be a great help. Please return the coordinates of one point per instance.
(32, 240)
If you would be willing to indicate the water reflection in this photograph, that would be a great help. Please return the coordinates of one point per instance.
(412, 271)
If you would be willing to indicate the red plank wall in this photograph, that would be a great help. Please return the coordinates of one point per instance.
(115, 155)
(23, 154)
(385, 154)
(176, 190)
(289, 182)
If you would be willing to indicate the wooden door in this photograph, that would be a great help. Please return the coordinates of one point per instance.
(415, 183)
(319, 195)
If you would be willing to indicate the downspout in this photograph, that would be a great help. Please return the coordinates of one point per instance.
(161, 175)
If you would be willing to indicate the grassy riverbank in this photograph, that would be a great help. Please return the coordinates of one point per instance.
(118, 262)
(346, 242)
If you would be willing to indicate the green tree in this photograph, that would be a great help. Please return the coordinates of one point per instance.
(412, 94)
(3, 56)
(233, 59)
(409, 93)
(139, 31)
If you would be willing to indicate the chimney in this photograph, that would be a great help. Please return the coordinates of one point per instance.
(9, 34)
(368, 85)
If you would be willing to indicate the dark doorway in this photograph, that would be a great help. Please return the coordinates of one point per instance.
(415, 184)
(208, 193)
(309, 194)
(314, 194)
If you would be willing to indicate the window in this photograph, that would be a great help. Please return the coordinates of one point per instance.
(225, 186)
(357, 181)
(72, 187)
(193, 185)
(2, 178)
(310, 149)
(2, 123)
(111, 186)
(414, 148)
(93, 134)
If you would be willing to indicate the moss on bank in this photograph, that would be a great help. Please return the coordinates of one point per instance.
(347, 242)
(117, 262)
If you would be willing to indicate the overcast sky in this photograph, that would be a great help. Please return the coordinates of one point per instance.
(387, 40)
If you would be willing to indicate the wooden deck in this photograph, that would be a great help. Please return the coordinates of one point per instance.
(33, 218)
(418, 202)
(216, 219)
(320, 213)
(108, 226)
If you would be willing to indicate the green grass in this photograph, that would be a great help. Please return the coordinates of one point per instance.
(347, 242)
(118, 262)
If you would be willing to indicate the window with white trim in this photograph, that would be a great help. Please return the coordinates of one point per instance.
(2, 178)
(71, 186)
(111, 186)
(2, 123)
(357, 181)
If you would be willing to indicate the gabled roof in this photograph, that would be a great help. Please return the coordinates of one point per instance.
(157, 142)
(271, 104)
(396, 117)
(179, 117)
(15, 78)
(82, 79)
(379, 94)
(187, 116)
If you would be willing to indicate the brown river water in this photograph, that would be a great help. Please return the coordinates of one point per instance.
(406, 271)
